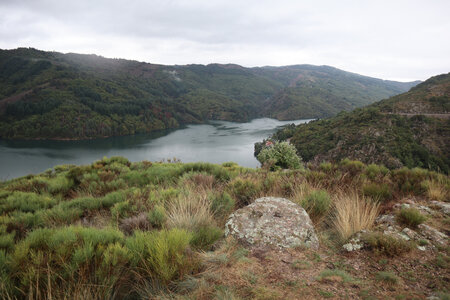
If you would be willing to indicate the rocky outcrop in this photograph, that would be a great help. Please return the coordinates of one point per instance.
(271, 221)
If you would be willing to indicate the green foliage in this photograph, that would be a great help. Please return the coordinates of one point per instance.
(282, 155)
(222, 204)
(157, 216)
(317, 204)
(336, 272)
(244, 191)
(205, 236)
(411, 217)
(386, 244)
(374, 171)
(381, 192)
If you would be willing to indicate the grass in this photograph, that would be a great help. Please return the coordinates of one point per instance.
(387, 277)
(317, 204)
(385, 244)
(336, 273)
(353, 213)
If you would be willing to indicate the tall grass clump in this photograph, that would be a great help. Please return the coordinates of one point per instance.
(435, 189)
(386, 244)
(189, 211)
(353, 213)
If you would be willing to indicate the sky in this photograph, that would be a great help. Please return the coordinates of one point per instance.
(395, 39)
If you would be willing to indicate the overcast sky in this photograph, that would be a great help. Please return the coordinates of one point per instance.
(399, 40)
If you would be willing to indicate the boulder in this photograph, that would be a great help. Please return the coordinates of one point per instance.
(271, 221)
(443, 206)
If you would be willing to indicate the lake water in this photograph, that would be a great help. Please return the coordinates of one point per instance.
(216, 142)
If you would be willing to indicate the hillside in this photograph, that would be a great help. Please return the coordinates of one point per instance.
(411, 129)
(50, 95)
(120, 230)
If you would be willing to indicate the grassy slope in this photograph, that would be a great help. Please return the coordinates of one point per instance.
(54, 95)
(374, 134)
(115, 229)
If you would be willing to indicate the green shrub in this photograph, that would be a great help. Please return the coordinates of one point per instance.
(121, 209)
(205, 236)
(409, 180)
(222, 204)
(282, 155)
(327, 167)
(7, 240)
(380, 192)
(27, 202)
(317, 203)
(162, 255)
(157, 216)
(374, 171)
(244, 191)
(336, 272)
(60, 184)
(352, 166)
(411, 217)
(387, 277)
(386, 244)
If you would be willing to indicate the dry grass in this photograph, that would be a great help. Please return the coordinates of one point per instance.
(435, 190)
(190, 210)
(353, 213)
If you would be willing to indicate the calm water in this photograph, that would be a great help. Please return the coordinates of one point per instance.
(216, 142)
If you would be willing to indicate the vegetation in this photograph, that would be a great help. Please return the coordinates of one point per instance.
(49, 95)
(121, 230)
(411, 217)
(406, 130)
(280, 155)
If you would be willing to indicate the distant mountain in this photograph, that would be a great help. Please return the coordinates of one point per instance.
(50, 95)
(411, 129)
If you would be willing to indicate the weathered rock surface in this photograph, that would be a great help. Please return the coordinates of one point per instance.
(443, 206)
(271, 221)
(433, 234)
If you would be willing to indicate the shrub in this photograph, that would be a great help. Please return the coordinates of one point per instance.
(121, 209)
(374, 171)
(435, 189)
(139, 222)
(352, 166)
(409, 180)
(336, 273)
(386, 244)
(161, 255)
(282, 155)
(157, 216)
(317, 204)
(244, 191)
(376, 191)
(353, 214)
(204, 236)
(387, 277)
(222, 204)
(27, 202)
(411, 217)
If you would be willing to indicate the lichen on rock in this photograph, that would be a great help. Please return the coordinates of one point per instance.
(271, 221)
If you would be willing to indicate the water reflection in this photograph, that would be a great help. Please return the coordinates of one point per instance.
(216, 142)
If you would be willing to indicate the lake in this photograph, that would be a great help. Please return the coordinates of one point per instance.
(215, 142)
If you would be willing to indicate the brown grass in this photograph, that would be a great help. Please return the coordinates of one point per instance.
(353, 213)
(435, 190)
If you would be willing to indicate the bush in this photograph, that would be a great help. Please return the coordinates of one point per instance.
(336, 273)
(386, 244)
(376, 191)
(411, 217)
(282, 155)
(157, 216)
(205, 236)
(244, 191)
(222, 205)
(352, 166)
(374, 171)
(317, 204)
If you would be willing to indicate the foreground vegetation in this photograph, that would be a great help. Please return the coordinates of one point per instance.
(116, 229)
(49, 95)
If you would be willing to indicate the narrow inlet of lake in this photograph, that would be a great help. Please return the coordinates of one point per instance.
(215, 142)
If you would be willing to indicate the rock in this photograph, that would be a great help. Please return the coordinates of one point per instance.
(411, 234)
(271, 221)
(433, 234)
(388, 219)
(443, 206)
(354, 243)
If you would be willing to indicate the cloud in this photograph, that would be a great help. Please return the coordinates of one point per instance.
(387, 39)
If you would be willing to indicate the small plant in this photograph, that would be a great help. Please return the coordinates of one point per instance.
(222, 204)
(411, 217)
(317, 204)
(386, 244)
(280, 155)
(387, 277)
(244, 191)
(205, 236)
(376, 191)
(157, 216)
(344, 276)
(435, 189)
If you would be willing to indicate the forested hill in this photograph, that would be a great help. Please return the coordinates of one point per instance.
(411, 129)
(50, 95)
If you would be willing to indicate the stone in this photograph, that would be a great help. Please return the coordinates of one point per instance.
(271, 221)
(443, 206)
(355, 243)
(388, 219)
(433, 234)
(411, 234)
